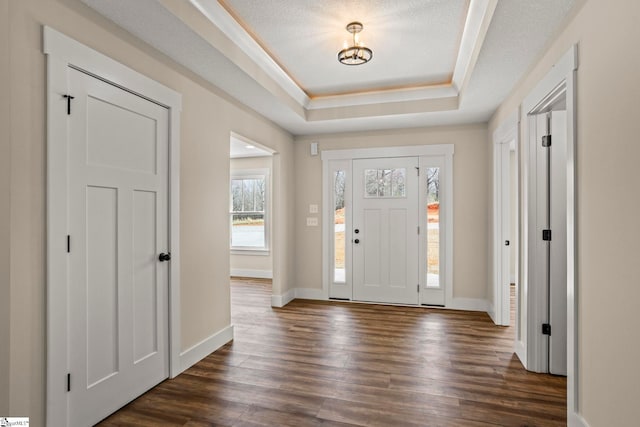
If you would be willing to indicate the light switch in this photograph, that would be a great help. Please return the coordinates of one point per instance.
(312, 222)
(313, 208)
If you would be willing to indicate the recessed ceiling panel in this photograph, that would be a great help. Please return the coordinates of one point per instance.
(414, 42)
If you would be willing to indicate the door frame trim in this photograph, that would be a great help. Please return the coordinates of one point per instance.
(63, 53)
(505, 134)
(446, 150)
(560, 79)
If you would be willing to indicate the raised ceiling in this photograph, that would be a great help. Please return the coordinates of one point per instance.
(414, 43)
(436, 62)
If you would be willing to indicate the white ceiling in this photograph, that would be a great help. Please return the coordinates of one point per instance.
(414, 42)
(241, 147)
(436, 62)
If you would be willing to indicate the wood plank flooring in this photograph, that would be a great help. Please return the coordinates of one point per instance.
(316, 363)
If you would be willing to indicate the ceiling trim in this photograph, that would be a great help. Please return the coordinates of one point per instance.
(475, 30)
(222, 19)
(441, 97)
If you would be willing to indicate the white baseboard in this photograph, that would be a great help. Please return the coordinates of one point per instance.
(491, 311)
(575, 420)
(196, 353)
(256, 274)
(519, 350)
(280, 301)
(308, 293)
(469, 304)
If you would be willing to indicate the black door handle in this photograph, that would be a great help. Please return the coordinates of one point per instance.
(356, 231)
(507, 243)
(356, 241)
(164, 257)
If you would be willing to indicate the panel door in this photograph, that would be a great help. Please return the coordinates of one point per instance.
(118, 290)
(385, 230)
(558, 246)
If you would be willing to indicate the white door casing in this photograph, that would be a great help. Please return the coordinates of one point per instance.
(64, 57)
(118, 224)
(505, 140)
(502, 234)
(385, 215)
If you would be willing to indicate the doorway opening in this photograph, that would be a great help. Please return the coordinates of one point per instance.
(548, 320)
(250, 214)
(506, 238)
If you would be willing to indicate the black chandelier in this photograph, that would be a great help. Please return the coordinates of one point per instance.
(357, 53)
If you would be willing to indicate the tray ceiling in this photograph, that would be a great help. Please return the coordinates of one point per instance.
(436, 62)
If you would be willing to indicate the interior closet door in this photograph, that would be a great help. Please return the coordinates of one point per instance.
(118, 290)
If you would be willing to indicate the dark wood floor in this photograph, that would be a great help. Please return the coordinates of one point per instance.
(317, 363)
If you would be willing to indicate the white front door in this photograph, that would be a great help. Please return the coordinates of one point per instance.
(118, 222)
(385, 230)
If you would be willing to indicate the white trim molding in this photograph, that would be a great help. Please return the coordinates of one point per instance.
(254, 274)
(575, 420)
(279, 301)
(63, 54)
(463, 304)
(308, 293)
(504, 137)
(199, 351)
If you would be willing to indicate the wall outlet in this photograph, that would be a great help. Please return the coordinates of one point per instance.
(312, 222)
(313, 208)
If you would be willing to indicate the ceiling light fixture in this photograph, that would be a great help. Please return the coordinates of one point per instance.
(357, 53)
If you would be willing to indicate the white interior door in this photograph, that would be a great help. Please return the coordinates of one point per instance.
(118, 290)
(385, 230)
(558, 246)
(550, 267)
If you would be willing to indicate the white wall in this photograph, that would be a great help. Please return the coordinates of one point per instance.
(470, 204)
(5, 212)
(254, 265)
(208, 117)
(608, 179)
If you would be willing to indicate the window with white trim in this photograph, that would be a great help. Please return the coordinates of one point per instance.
(248, 211)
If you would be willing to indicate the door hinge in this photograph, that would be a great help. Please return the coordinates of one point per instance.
(68, 243)
(68, 382)
(418, 229)
(546, 329)
(69, 98)
(546, 141)
(546, 235)
(417, 170)
(418, 287)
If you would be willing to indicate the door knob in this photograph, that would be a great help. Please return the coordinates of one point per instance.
(164, 257)
(356, 231)
(356, 241)
(506, 243)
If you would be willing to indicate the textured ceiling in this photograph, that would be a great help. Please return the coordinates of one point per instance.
(518, 31)
(413, 42)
